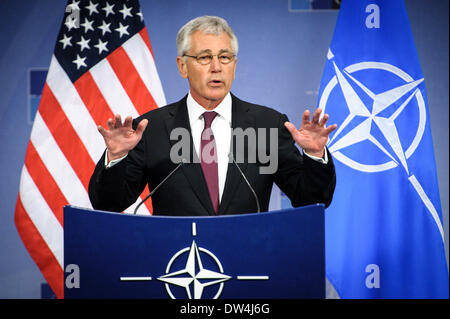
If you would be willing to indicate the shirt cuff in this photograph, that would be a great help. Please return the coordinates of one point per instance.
(323, 160)
(113, 162)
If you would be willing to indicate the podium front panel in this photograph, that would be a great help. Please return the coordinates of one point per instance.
(276, 254)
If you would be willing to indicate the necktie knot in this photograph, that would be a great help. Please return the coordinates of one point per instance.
(209, 117)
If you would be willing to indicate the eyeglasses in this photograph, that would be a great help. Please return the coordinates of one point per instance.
(206, 58)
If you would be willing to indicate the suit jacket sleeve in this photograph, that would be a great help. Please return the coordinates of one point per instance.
(302, 179)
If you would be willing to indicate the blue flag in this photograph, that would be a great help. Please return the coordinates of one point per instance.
(384, 233)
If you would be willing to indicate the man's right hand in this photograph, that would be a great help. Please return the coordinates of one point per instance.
(120, 138)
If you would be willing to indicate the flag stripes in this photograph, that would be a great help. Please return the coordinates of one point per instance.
(130, 80)
(45, 182)
(93, 99)
(65, 144)
(112, 90)
(57, 164)
(66, 137)
(38, 249)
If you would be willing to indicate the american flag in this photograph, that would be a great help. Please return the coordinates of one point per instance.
(102, 65)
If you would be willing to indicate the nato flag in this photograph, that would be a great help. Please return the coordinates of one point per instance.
(384, 234)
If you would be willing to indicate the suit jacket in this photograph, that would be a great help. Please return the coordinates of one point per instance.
(302, 179)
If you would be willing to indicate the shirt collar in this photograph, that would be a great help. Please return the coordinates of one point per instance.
(195, 110)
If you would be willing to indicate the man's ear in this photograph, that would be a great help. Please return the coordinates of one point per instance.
(182, 67)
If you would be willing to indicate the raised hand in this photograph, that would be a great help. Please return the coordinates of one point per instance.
(120, 138)
(312, 136)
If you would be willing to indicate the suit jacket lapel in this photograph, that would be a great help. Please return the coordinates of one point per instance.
(240, 118)
(192, 170)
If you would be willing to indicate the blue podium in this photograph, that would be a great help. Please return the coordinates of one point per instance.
(279, 254)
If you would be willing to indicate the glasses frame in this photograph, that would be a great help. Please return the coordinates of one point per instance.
(233, 56)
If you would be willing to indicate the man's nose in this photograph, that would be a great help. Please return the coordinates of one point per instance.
(215, 65)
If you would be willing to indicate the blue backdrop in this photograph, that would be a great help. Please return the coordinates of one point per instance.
(280, 63)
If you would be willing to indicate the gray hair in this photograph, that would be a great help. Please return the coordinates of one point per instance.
(207, 24)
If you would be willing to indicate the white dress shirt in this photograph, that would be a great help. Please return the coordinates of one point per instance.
(221, 128)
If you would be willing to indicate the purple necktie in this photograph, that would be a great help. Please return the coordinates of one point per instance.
(208, 160)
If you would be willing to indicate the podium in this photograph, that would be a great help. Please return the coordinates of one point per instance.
(271, 255)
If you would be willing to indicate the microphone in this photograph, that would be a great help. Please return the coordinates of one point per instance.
(248, 183)
(157, 186)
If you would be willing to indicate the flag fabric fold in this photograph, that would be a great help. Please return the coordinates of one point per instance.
(102, 65)
(384, 233)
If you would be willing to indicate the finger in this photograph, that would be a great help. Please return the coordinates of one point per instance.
(330, 129)
(110, 124)
(141, 127)
(118, 121)
(128, 121)
(290, 127)
(316, 116)
(101, 130)
(324, 120)
(305, 118)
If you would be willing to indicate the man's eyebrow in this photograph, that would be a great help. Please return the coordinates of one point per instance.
(225, 51)
(210, 52)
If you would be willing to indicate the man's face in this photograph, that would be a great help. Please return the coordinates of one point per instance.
(208, 83)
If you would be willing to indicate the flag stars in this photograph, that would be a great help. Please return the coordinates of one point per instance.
(105, 27)
(126, 12)
(87, 25)
(66, 41)
(122, 29)
(101, 46)
(141, 17)
(79, 61)
(92, 8)
(108, 9)
(83, 43)
(73, 6)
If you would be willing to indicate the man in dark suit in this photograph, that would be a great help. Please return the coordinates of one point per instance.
(224, 143)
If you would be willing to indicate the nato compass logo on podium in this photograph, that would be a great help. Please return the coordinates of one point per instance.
(186, 270)
(384, 121)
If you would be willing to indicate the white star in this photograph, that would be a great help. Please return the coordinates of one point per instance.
(66, 41)
(79, 62)
(71, 22)
(194, 272)
(73, 6)
(122, 29)
(140, 15)
(92, 8)
(101, 46)
(105, 27)
(83, 44)
(108, 9)
(126, 12)
(87, 25)
(386, 125)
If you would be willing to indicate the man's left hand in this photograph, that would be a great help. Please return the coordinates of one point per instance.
(312, 136)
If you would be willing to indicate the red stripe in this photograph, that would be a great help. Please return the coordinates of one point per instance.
(99, 109)
(131, 81)
(144, 35)
(93, 99)
(39, 251)
(148, 203)
(45, 183)
(66, 136)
